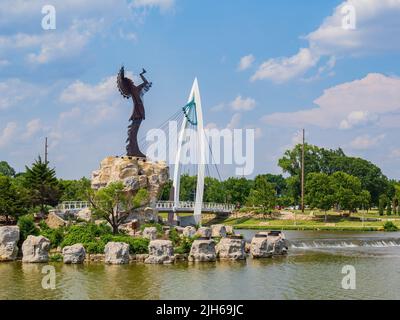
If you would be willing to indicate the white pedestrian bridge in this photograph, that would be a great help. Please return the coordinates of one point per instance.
(161, 206)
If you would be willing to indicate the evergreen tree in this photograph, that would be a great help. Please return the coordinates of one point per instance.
(42, 184)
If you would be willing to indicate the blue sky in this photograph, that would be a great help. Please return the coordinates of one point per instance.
(275, 66)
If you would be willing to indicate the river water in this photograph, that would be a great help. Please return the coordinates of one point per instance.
(311, 270)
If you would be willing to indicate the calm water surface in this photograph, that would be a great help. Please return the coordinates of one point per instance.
(312, 270)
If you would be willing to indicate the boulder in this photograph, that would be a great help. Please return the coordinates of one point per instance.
(232, 249)
(160, 251)
(74, 254)
(35, 249)
(265, 245)
(9, 237)
(229, 230)
(189, 232)
(202, 251)
(218, 231)
(54, 221)
(85, 215)
(150, 233)
(204, 232)
(116, 253)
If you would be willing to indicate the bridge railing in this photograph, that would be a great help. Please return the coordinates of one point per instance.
(209, 206)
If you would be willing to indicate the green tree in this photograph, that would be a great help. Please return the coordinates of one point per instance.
(187, 191)
(12, 199)
(319, 192)
(365, 200)
(263, 195)
(214, 190)
(389, 208)
(382, 204)
(166, 191)
(347, 190)
(74, 190)
(6, 169)
(237, 190)
(42, 184)
(113, 204)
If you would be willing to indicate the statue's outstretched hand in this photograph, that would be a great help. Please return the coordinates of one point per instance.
(144, 71)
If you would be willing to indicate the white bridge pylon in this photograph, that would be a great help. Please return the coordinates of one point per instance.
(201, 154)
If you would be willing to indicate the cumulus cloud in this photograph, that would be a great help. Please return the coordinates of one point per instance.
(377, 27)
(370, 100)
(365, 142)
(245, 62)
(282, 69)
(32, 128)
(7, 134)
(14, 92)
(243, 104)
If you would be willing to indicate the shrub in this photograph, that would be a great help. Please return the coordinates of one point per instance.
(27, 227)
(136, 245)
(185, 245)
(56, 236)
(57, 257)
(390, 226)
(174, 237)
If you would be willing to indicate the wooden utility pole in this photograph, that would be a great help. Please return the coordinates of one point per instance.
(302, 173)
(45, 151)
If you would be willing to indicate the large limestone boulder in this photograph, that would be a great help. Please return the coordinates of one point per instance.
(229, 230)
(135, 173)
(264, 245)
(218, 230)
(232, 249)
(202, 251)
(85, 215)
(74, 254)
(9, 237)
(150, 233)
(35, 249)
(189, 232)
(54, 221)
(116, 253)
(160, 251)
(204, 232)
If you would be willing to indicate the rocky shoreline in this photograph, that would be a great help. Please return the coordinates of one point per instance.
(209, 244)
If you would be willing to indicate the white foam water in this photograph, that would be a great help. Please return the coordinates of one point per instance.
(348, 243)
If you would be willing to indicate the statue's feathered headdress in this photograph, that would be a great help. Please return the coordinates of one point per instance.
(124, 84)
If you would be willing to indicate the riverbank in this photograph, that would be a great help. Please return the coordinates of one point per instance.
(311, 220)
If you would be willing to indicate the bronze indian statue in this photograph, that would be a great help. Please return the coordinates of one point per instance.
(128, 89)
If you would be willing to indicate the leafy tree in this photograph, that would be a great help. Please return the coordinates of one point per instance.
(214, 190)
(389, 209)
(382, 203)
(27, 227)
(237, 190)
(74, 190)
(365, 200)
(42, 184)
(320, 193)
(263, 195)
(188, 188)
(347, 190)
(113, 204)
(166, 191)
(6, 169)
(12, 199)
(277, 180)
(331, 161)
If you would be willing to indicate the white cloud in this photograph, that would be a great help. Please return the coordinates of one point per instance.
(235, 121)
(8, 134)
(395, 153)
(357, 118)
(243, 104)
(32, 127)
(371, 100)
(14, 92)
(79, 92)
(282, 69)
(376, 31)
(365, 141)
(246, 62)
